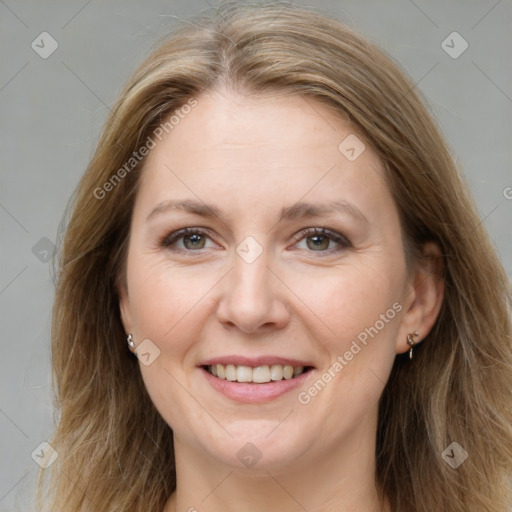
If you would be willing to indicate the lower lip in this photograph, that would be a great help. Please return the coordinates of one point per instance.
(254, 393)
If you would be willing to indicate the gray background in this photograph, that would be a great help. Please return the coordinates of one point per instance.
(52, 109)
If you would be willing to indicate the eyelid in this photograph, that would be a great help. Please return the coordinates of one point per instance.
(343, 243)
(341, 240)
(171, 238)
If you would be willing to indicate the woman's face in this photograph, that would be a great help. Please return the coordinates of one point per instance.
(292, 257)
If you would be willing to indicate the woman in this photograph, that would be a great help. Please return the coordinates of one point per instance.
(273, 225)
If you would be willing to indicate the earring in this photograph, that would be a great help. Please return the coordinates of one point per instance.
(410, 340)
(130, 342)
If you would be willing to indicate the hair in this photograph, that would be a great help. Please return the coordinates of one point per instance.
(115, 451)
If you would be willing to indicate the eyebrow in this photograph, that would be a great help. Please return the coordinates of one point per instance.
(297, 211)
(305, 210)
(195, 207)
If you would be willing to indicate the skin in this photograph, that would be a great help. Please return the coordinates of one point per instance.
(251, 157)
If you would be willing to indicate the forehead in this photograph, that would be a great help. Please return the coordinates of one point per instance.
(276, 149)
(273, 129)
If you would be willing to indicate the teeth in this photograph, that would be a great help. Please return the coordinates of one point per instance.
(288, 372)
(230, 372)
(276, 372)
(260, 374)
(244, 374)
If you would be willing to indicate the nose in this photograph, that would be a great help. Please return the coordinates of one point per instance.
(253, 299)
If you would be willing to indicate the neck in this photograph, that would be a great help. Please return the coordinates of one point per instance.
(340, 479)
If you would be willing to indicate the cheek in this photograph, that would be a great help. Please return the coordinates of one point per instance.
(165, 302)
(353, 301)
(356, 318)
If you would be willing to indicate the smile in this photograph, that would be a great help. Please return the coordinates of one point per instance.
(256, 379)
(258, 375)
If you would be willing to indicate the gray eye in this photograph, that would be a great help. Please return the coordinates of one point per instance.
(194, 241)
(318, 242)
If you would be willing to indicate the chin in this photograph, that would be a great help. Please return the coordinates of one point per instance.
(259, 445)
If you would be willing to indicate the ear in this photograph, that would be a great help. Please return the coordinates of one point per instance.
(124, 308)
(424, 297)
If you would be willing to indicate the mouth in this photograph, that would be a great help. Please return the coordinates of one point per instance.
(256, 374)
(255, 380)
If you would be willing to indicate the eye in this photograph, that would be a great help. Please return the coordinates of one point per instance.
(321, 240)
(187, 240)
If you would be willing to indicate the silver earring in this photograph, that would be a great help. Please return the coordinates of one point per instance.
(130, 342)
(410, 340)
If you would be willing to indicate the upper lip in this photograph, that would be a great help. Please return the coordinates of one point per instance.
(254, 362)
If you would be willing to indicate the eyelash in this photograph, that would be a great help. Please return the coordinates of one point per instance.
(343, 243)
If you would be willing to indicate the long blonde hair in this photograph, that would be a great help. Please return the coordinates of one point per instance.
(115, 452)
